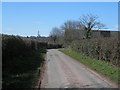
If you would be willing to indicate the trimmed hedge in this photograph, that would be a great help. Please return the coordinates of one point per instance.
(54, 46)
(107, 49)
(20, 60)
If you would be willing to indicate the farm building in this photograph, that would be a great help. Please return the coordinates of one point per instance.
(71, 35)
(79, 34)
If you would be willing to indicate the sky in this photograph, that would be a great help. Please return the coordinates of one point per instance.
(60, 0)
(26, 18)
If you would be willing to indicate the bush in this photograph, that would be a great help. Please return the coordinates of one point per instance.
(107, 49)
(20, 58)
(54, 46)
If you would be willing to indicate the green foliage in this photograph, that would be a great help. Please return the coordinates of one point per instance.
(100, 66)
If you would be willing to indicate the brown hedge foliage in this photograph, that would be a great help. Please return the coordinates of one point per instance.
(107, 49)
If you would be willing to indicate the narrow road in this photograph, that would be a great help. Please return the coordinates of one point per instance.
(63, 71)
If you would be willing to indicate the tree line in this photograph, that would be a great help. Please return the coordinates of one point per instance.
(86, 22)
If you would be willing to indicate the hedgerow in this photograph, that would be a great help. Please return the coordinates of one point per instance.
(106, 49)
(21, 57)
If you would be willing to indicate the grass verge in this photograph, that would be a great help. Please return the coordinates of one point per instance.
(97, 65)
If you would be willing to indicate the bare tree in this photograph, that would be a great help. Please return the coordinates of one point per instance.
(100, 26)
(56, 34)
(88, 22)
(71, 25)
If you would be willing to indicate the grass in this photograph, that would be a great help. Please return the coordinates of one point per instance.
(99, 66)
(24, 80)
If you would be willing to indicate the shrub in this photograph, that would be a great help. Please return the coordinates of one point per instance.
(20, 58)
(107, 49)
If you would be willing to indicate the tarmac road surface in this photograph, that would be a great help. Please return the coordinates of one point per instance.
(63, 71)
